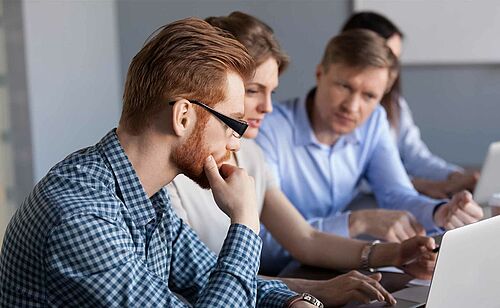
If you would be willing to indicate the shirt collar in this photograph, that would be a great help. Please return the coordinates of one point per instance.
(353, 138)
(303, 132)
(128, 185)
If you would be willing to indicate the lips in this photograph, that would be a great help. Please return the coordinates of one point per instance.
(254, 123)
(344, 118)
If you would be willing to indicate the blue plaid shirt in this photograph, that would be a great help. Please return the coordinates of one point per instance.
(88, 235)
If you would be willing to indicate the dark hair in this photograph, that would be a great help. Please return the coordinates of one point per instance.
(386, 29)
(361, 49)
(187, 58)
(372, 21)
(255, 35)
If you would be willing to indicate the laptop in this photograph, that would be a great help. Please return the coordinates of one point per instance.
(489, 181)
(467, 272)
(412, 297)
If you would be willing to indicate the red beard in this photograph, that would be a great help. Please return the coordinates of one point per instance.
(190, 158)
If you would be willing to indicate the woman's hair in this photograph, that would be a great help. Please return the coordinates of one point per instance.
(187, 58)
(372, 21)
(386, 29)
(255, 35)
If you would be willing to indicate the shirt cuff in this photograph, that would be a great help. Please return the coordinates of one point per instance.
(272, 293)
(337, 224)
(429, 224)
(240, 252)
(436, 230)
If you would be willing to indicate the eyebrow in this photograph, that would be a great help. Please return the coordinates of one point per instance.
(256, 84)
(261, 86)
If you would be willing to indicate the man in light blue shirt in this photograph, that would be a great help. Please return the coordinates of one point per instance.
(430, 174)
(322, 145)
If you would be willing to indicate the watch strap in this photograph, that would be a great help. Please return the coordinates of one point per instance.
(303, 297)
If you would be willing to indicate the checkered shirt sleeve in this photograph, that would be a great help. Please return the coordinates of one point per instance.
(88, 236)
(91, 262)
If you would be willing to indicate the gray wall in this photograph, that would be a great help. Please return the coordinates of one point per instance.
(73, 76)
(456, 107)
(18, 126)
(303, 29)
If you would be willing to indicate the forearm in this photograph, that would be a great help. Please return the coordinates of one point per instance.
(342, 253)
(321, 289)
(331, 251)
(432, 188)
(249, 219)
(303, 286)
(384, 254)
(429, 167)
(304, 243)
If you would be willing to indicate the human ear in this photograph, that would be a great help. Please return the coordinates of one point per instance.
(319, 72)
(182, 117)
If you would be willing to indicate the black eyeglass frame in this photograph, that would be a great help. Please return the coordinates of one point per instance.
(238, 126)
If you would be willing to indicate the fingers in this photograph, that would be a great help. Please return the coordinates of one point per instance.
(392, 237)
(407, 227)
(373, 290)
(427, 263)
(404, 231)
(376, 276)
(367, 288)
(474, 210)
(426, 243)
(420, 270)
(462, 210)
(212, 172)
(460, 215)
(412, 227)
(464, 217)
(418, 228)
(226, 170)
(458, 219)
(415, 248)
(455, 222)
(461, 199)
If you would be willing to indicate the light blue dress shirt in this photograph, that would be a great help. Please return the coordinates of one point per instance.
(415, 155)
(321, 180)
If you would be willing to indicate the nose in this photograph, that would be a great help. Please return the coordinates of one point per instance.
(233, 145)
(352, 103)
(266, 105)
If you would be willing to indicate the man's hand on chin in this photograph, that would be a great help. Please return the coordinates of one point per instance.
(234, 193)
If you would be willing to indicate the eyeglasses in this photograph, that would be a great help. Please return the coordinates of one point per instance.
(238, 126)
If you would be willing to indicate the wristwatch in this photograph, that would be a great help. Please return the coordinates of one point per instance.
(306, 297)
(365, 256)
